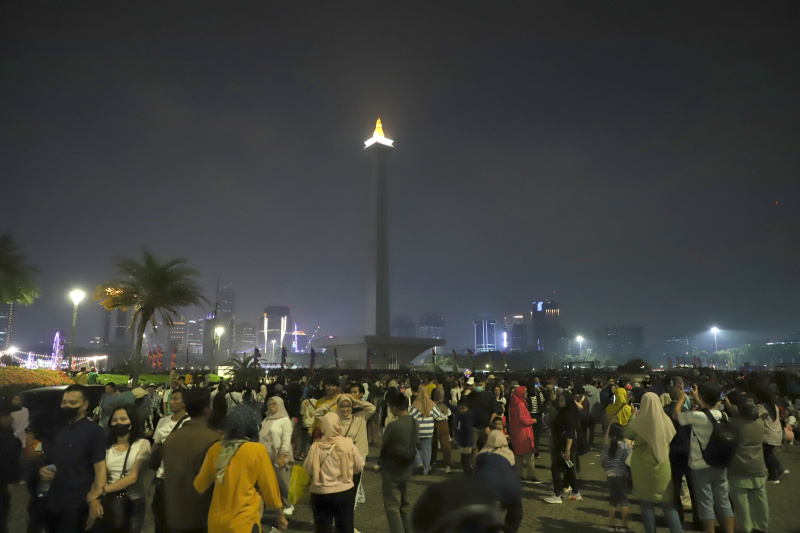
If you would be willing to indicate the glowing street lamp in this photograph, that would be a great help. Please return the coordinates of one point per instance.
(715, 330)
(76, 296)
(219, 330)
(580, 344)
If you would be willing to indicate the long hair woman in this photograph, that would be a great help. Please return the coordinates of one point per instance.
(276, 435)
(331, 463)
(651, 432)
(564, 449)
(241, 472)
(426, 413)
(494, 468)
(126, 458)
(773, 432)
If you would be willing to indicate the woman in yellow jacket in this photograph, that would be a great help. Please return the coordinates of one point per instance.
(243, 478)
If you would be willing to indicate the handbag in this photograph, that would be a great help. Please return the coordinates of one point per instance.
(299, 486)
(156, 455)
(115, 504)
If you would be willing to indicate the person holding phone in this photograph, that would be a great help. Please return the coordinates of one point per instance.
(563, 452)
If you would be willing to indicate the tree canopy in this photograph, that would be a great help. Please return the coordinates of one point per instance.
(16, 273)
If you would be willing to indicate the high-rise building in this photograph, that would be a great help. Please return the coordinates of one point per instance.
(246, 336)
(6, 316)
(431, 326)
(620, 341)
(402, 326)
(195, 330)
(278, 324)
(299, 340)
(485, 339)
(546, 326)
(114, 329)
(225, 307)
(515, 333)
(177, 335)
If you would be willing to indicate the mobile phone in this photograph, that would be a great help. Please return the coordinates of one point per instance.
(567, 462)
(687, 390)
(721, 395)
(637, 405)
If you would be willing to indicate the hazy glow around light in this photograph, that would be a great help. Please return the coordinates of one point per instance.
(378, 136)
(579, 338)
(77, 296)
(715, 330)
(220, 330)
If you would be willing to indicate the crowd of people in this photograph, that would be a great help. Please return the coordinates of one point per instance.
(225, 457)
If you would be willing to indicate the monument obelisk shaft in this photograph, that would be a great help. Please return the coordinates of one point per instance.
(378, 314)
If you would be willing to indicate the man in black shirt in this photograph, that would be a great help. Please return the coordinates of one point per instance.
(399, 437)
(484, 408)
(75, 464)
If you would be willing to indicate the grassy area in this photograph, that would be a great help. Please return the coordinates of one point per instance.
(122, 379)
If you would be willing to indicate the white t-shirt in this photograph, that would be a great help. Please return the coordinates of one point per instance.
(163, 429)
(116, 460)
(702, 429)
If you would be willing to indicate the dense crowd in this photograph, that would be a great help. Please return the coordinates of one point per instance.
(238, 457)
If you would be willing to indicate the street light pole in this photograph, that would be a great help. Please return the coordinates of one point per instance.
(714, 330)
(219, 331)
(76, 296)
(580, 344)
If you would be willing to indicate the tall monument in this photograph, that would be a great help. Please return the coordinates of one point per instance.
(378, 314)
(385, 351)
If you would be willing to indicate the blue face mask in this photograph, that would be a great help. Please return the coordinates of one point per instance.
(478, 389)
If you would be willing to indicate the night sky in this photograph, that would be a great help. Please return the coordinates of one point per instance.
(638, 162)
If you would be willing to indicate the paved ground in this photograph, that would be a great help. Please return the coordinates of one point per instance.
(586, 516)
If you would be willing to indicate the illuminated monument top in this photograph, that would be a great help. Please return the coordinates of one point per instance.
(378, 136)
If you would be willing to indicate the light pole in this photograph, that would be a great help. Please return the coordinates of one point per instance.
(580, 344)
(219, 331)
(273, 350)
(715, 330)
(77, 295)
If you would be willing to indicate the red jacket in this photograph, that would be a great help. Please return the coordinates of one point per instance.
(520, 423)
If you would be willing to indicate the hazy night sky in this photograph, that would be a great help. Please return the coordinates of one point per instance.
(641, 160)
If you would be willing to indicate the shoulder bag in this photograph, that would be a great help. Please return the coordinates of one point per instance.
(156, 456)
(115, 504)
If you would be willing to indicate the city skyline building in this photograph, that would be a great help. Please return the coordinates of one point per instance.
(620, 341)
(485, 335)
(6, 318)
(432, 326)
(225, 317)
(515, 333)
(246, 336)
(402, 326)
(275, 325)
(195, 330)
(114, 330)
(546, 330)
(177, 334)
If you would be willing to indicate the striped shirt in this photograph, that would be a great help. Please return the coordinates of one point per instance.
(426, 422)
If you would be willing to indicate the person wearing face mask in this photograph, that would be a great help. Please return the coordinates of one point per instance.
(126, 459)
(276, 435)
(75, 466)
(484, 408)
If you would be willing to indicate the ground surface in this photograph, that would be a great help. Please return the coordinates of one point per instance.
(586, 516)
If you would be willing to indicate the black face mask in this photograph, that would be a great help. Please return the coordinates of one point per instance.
(120, 429)
(68, 413)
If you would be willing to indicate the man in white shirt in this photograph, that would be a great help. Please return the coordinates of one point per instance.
(710, 483)
(165, 426)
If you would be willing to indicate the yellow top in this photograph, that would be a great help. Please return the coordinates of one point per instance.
(378, 129)
(236, 504)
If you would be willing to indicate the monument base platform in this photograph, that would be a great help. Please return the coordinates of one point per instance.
(387, 352)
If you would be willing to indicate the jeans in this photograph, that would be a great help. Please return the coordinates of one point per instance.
(750, 505)
(398, 510)
(335, 508)
(159, 508)
(680, 468)
(774, 466)
(711, 488)
(649, 516)
(424, 454)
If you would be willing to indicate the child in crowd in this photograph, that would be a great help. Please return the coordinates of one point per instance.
(615, 452)
(464, 434)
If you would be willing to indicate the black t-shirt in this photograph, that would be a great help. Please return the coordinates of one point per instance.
(482, 405)
(74, 451)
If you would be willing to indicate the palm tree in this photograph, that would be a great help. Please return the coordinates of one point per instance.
(16, 274)
(153, 289)
(245, 369)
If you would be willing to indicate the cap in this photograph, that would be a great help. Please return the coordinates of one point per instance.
(139, 392)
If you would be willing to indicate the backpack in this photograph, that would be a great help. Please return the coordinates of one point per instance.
(722, 444)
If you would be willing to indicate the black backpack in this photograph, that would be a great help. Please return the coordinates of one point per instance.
(722, 444)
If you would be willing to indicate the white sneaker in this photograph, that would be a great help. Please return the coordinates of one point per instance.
(288, 511)
(552, 499)
(448, 470)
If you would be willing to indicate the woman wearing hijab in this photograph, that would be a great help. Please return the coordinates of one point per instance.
(354, 414)
(494, 468)
(426, 413)
(442, 429)
(651, 432)
(276, 435)
(331, 463)
(619, 412)
(520, 429)
(564, 449)
(241, 472)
